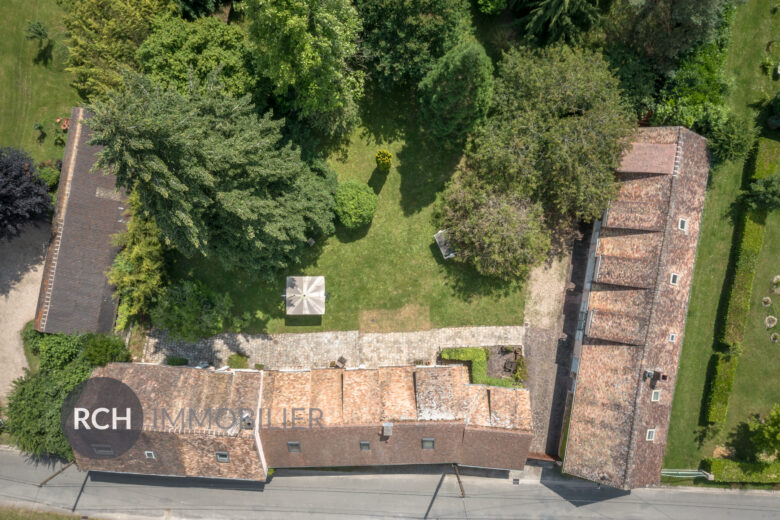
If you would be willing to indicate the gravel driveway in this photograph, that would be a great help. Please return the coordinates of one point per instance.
(21, 269)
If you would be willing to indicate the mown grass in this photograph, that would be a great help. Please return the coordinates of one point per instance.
(754, 26)
(34, 86)
(391, 272)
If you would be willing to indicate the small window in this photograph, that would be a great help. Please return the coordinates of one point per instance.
(674, 279)
(682, 224)
(222, 456)
(365, 446)
(656, 396)
(428, 444)
(294, 447)
(149, 455)
(650, 434)
(672, 337)
(103, 450)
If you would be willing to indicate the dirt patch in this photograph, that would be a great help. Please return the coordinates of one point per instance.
(721, 452)
(21, 270)
(497, 358)
(546, 290)
(409, 318)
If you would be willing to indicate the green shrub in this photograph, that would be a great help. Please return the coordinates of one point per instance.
(100, 349)
(237, 360)
(31, 338)
(733, 137)
(478, 361)
(49, 175)
(176, 361)
(190, 311)
(57, 350)
(355, 204)
(259, 366)
(720, 390)
(725, 470)
(521, 372)
(384, 160)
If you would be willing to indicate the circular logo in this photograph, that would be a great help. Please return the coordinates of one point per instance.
(102, 418)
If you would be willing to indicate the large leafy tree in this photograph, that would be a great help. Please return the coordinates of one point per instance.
(556, 20)
(22, 194)
(502, 234)
(766, 433)
(103, 38)
(178, 50)
(307, 48)
(214, 176)
(764, 195)
(574, 125)
(456, 93)
(664, 30)
(552, 139)
(404, 39)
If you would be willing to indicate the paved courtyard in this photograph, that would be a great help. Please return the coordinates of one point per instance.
(21, 269)
(319, 349)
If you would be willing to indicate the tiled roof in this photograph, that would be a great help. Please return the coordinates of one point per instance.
(632, 308)
(648, 157)
(75, 295)
(470, 424)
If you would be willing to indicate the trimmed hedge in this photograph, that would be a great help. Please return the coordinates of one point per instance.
(725, 470)
(478, 359)
(722, 383)
(176, 361)
(751, 240)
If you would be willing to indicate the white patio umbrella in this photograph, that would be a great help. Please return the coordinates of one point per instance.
(305, 295)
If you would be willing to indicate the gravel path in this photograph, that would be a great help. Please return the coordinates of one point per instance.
(21, 269)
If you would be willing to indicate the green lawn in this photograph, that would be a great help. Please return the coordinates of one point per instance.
(753, 28)
(33, 85)
(392, 273)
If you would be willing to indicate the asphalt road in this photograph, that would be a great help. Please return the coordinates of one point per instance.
(291, 495)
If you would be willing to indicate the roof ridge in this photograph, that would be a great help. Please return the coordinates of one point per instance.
(656, 289)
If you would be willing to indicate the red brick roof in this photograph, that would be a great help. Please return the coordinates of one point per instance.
(471, 424)
(633, 308)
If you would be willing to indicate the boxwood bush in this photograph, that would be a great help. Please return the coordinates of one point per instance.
(720, 389)
(725, 470)
(478, 359)
(355, 204)
(237, 360)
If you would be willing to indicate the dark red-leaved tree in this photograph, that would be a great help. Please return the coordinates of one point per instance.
(23, 195)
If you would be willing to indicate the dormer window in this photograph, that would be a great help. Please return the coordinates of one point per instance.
(674, 279)
(223, 457)
(672, 337)
(656, 396)
(650, 434)
(682, 224)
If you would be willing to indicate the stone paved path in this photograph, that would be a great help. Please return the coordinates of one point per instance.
(318, 349)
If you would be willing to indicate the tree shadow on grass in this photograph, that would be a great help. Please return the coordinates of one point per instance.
(345, 236)
(45, 54)
(378, 180)
(467, 283)
(386, 115)
(740, 443)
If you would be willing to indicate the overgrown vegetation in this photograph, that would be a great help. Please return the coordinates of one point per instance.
(36, 398)
(726, 470)
(478, 365)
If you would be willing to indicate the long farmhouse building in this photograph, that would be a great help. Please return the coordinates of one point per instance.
(632, 318)
(310, 418)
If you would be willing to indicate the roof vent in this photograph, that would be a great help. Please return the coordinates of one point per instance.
(387, 429)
